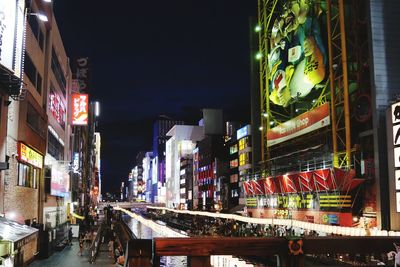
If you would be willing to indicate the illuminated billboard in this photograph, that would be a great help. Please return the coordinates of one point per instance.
(28, 155)
(12, 34)
(59, 185)
(80, 109)
(297, 58)
(57, 107)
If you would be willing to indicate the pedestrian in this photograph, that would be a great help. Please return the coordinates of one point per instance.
(111, 248)
(81, 242)
(70, 236)
(120, 261)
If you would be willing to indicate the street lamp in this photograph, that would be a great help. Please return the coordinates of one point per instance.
(40, 16)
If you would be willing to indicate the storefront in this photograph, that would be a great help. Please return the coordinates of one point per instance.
(18, 243)
(30, 164)
(325, 196)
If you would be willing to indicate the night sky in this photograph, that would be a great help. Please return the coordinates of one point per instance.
(170, 57)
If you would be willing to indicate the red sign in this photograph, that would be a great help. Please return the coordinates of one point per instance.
(80, 104)
(57, 107)
(305, 123)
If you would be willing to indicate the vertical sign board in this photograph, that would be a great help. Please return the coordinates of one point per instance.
(80, 109)
(393, 144)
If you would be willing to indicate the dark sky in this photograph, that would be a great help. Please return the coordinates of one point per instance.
(157, 57)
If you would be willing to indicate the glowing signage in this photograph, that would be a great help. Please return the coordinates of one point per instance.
(57, 107)
(305, 123)
(297, 61)
(59, 182)
(242, 132)
(28, 155)
(80, 109)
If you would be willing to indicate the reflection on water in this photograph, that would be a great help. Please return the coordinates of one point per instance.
(143, 232)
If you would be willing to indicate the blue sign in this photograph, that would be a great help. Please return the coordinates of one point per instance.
(242, 132)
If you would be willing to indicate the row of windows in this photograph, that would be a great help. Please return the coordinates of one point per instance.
(54, 147)
(36, 122)
(57, 70)
(32, 73)
(37, 32)
(28, 176)
(244, 159)
(243, 143)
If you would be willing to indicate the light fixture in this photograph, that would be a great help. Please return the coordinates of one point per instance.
(40, 16)
(96, 108)
(265, 115)
(272, 123)
(257, 28)
(260, 128)
(47, 1)
(258, 56)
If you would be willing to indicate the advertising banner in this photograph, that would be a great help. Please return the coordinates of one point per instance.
(80, 109)
(302, 124)
(82, 73)
(57, 107)
(59, 181)
(297, 59)
(28, 155)
(8, 11)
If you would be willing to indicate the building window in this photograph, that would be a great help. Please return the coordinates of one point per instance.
(233, 149)
(233, 163)
(243, 159)
(35, 122)
(243, 143)
(57, 70)
(28, 175)
(37, 32)
(54, 147)
(32, 73)
(234, 178)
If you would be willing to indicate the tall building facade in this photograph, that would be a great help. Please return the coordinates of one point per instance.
(160, 128)
(324, 125)
(180, 146)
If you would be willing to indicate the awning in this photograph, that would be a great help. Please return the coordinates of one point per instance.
(9, 82)
(77, 216)
(15, 233)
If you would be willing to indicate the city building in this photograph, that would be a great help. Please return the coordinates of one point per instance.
(179, 146)
(324, 149)
(147, 175)
(231, 143)
(160, 128)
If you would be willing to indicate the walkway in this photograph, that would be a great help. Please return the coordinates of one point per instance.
(69, 257)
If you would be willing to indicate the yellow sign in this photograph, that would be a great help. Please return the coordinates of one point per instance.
(30, 156)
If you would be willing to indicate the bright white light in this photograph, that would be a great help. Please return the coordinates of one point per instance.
(257, 28)
(96, 108)
(258, 56)
(47, 1)
(260, 128)
(265, 115)
(272, 123)
(41, 16)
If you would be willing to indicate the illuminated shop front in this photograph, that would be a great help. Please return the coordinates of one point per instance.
(30, 164)
(321, 196)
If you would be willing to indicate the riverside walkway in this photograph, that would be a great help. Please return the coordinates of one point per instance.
(70, 257)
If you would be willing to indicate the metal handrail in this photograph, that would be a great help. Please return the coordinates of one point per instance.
(96, 243)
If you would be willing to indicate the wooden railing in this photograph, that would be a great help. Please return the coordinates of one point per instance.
(146, 253)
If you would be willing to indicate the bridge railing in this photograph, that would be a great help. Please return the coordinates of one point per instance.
(291, 252)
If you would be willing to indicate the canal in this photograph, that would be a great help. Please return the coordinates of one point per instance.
(142, 231)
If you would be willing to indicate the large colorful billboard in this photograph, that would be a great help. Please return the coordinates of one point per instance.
(297, 58)
(297, 71)
(80, 109)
